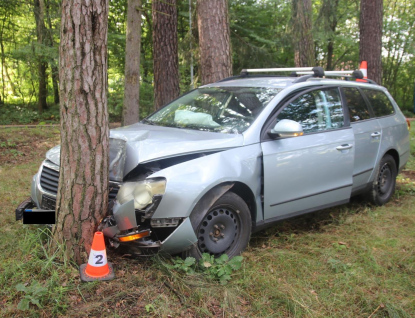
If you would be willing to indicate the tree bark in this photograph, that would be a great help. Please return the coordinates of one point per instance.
(83, 182)
(39, 11)
(214, 40)
(165, 55)
(131, 108)
(371, 23)
(302, 33)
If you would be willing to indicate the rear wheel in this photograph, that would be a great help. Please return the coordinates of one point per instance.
(384, 183)
(224, 229)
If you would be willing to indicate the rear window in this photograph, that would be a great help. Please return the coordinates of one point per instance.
(380, 103)
(357, 106)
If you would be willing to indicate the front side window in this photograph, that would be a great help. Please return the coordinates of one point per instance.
(316, 111)
(356, 104)
(224, 109)
(380, 103)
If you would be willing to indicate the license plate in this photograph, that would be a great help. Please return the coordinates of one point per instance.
(38, 216)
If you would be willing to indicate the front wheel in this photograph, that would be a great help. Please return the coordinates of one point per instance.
(384, 183)
(224, 229)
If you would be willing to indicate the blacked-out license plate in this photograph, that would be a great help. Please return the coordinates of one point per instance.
(38, 217)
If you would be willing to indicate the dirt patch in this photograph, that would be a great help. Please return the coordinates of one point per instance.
(22, 144)
(409, 174)
(19, 147)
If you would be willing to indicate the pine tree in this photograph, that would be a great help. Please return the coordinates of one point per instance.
(302, 33)
(214, 40)
(83, 182)
(131, 108)
(371, 17)
(165, 58)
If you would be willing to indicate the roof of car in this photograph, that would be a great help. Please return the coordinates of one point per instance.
(283, 82)
(298, 75)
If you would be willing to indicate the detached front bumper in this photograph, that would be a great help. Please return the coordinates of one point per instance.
(127, 227)
(30, 214)
(26, 204)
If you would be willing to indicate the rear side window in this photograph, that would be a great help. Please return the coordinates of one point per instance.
(356, 104)
(316, 111)
(380, 103)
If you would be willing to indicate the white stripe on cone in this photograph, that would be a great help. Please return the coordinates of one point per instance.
(97, 258)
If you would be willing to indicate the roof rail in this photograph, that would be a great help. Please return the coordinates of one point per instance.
(316, 71)
(353, 73)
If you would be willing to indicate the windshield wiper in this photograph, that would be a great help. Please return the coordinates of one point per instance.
(147, 121)
(201, 128)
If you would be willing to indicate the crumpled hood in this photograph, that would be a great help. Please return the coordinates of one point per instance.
(148, 143)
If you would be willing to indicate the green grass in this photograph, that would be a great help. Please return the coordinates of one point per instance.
(356, 260)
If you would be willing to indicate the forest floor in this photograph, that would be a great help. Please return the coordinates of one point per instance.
(356, 260)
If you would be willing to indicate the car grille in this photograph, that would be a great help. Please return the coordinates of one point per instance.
(113, 192)
(49, 181)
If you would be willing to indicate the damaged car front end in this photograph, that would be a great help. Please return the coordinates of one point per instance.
(171, 167)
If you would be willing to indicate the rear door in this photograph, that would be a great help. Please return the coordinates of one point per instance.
(367, 133)
(312, 171)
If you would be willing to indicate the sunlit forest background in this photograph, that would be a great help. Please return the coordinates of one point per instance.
(261, 36)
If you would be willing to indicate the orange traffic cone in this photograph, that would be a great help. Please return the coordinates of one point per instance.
(363, 69)
(97, 268)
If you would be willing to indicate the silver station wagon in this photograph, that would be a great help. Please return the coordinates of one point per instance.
(230, 158)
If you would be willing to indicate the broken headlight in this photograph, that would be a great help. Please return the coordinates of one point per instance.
(142, 192)
(117, 159)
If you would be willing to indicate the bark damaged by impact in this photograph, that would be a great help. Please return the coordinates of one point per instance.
(83, 182)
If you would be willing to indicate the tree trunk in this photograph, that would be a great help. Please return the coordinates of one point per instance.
(53, 64)
(55, 80)
(147, 44)
(131, 108)
(43, 82)
(302, 33)
(214, 40)
(165, 58)
(327, 24)
(371, 16)
(39, 10)
(330, 50)
(3, 62)
(83, 182)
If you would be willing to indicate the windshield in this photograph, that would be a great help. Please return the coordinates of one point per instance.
(225, 109)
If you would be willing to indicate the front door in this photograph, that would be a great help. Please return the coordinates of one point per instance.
(312, 171)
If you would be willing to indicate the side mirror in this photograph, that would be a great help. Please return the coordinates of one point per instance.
(286, 128)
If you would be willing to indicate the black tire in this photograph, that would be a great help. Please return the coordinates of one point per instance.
(224, 229)
(383, 185)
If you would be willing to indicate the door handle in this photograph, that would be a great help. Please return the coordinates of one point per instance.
(344, 147)
(376, 134)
